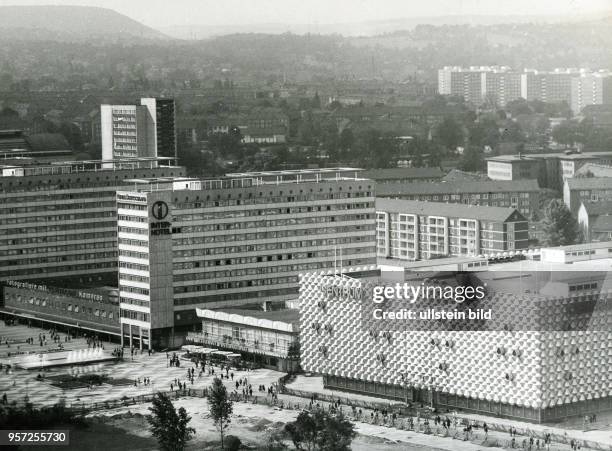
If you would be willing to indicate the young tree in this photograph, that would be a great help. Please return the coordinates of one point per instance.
(472, 159)
(168, 426)
(560, 227)
(321, 430)
(338, 432)
(220, 406)
(303, 432)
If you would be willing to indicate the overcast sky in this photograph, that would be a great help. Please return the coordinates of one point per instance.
(159, 13)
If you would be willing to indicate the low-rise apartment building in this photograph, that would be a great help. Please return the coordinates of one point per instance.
(413, 230)
(588, 189)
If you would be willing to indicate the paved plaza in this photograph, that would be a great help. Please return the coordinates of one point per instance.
(18, 382)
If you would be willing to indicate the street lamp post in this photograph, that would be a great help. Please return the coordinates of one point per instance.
(431, 387)
(433, 390)
(405, 382)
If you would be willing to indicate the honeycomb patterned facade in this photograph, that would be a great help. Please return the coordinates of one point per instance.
(533, 370)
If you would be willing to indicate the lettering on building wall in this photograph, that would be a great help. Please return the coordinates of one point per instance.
(342, 293)
(90, 296)
(160, 228)
(26, 285)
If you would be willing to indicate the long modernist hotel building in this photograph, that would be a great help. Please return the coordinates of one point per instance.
(58, 239)
(58, 221)
(187, 243)
(511, 369)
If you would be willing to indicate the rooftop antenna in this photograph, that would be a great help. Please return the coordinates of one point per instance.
(335, 259)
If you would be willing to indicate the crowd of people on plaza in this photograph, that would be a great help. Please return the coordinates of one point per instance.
(94, 343)
(41, 339)
(247, 389)
(241, 390)
(174, 361)
(145, 381)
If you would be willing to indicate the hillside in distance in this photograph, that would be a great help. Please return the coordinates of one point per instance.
(70, 23)
(366, 28)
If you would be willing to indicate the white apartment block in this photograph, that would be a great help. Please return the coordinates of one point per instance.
(145, 130)
(501, 85)
(591, 89)
(124, 132)
(478, 84)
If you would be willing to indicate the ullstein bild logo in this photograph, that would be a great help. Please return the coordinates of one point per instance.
(159, 210)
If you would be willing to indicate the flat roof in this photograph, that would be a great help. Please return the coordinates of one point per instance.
(177, 183)
(409, 264)
(581, 247)
(292, 172)
(153, 180)
(286, 320)
(595, 264)
(457, 187)
(509, 158)
(566, 156)
(32, 167)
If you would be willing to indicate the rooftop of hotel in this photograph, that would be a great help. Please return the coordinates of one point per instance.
(29, 167)
(246, 179)
(294, 172)
(459, 187)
